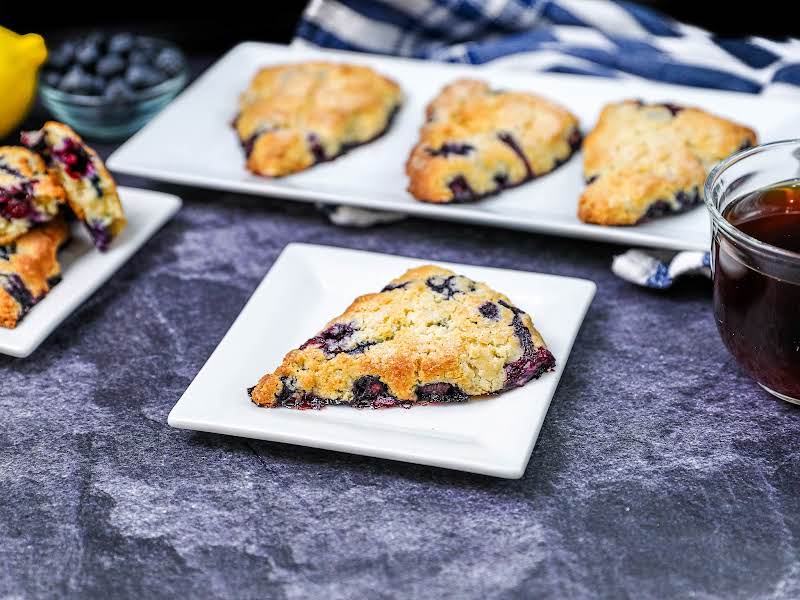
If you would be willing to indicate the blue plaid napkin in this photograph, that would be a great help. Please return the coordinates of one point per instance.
(588, 37)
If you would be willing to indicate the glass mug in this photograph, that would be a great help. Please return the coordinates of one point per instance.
(756, 284)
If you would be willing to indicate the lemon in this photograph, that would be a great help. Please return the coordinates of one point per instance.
(20, 59)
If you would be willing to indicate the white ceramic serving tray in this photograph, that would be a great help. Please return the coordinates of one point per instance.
(84, 269)
(192, 142)
(309, 285)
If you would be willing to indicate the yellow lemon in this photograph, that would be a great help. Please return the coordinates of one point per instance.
(20, 59)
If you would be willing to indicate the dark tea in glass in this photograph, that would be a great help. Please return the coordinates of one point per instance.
(757, 292)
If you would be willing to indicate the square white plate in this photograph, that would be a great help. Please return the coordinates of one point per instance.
(309, 285)
(192, 142)
(84, 269)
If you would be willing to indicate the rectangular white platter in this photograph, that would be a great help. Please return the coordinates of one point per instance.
(84, 269)
(309, 285)
(192, 142)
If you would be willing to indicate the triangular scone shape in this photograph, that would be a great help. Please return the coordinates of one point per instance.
(477, 141)
(646, 160)
(296, 115)
(428, 336)
(91, 191)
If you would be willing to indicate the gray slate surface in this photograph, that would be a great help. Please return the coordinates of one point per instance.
(661, 470)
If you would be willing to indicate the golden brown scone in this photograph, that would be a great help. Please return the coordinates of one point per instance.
(429, 336)
(91, 191)
(295, 115)
(29, 268)
(29, 194)
(648, 160)
(478, 141)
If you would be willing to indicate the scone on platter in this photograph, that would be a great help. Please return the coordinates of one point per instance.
(647, 160)
(477, 141)
(90, 190)
(29, 194)
(29, 268)
(430, 336)
(293, 116)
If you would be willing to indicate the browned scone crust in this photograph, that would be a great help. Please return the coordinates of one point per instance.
(647, 160)
(478, 141)
(90, 189)
(29, 194)
(428, 336)
(29, 268)
(295, 115)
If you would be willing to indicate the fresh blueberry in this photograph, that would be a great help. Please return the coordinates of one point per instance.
(489, 310)
(61, 57)
(169, 61)
(462, 191)
(142, 76)
(138, 57)
(118, 90)
(52, 78)
(110, 65)
(120, 43)
(87, 53)
(76, 81)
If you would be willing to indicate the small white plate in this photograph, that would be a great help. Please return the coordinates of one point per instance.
(309, 285)
(192, 142)
(84, 269)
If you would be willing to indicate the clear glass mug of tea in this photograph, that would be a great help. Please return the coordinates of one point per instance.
(754, 201)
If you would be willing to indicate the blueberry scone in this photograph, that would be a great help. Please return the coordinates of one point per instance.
(29, 268)
(648, 160)
(91, 191)
(478, 141)
(296, 115)
(29, 194)
(428, 336)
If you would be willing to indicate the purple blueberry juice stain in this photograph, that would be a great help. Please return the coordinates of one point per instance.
(77, 162)
(489, 310)
(590, 180)
(447, 286)
(370, 392)
(101, 235)
(511, 142)
(16, 288)
(16, 202)
(462, 191)
(440, 392)
(316, 147)
(674, 109)
(446, 150)
(9, 170)
(574, 139)
(395, 286)
(534, 361)
(336, 339)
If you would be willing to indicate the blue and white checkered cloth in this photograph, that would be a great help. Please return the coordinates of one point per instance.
(587, 37)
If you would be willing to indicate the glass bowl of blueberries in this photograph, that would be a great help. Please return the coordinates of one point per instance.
(108, 86)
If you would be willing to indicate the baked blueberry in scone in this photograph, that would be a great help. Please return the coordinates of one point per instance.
(293, 116)
(29, 268)
(91, 191)
(429, 336)
(29, 194)
(478, 141)
(647, 160)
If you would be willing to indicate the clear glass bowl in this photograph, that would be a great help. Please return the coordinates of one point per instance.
(756, 285)
(98, 118)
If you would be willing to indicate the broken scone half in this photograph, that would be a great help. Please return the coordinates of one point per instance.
(29, 193)
(90, 189)
(428, 336)
(293, 116)
(477, 141)
(647, 160)
(29, 268)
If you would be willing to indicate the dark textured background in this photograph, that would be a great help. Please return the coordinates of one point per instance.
(661, 470)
